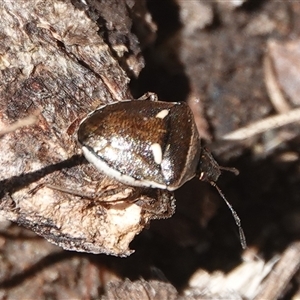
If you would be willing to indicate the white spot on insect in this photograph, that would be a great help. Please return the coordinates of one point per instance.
(162, 114)
(202, 174)
(157, 153)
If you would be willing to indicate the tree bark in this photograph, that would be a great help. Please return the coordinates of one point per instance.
(54, 61)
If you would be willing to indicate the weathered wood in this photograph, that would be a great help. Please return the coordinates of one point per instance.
(53, 60)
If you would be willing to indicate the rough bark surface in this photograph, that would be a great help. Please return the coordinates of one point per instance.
(55, 62)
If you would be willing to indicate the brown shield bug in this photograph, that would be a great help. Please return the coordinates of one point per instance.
(149, 144)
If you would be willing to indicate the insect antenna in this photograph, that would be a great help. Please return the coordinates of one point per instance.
(234, 214)
(229, 169)
(209, 171)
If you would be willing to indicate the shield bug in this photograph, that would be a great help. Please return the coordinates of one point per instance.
(148, 144)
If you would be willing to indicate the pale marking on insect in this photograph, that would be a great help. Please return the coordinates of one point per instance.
(157, 153)
(162, 114)
(104, 167)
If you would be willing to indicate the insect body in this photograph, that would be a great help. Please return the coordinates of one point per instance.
(148, 144)
(143, 143)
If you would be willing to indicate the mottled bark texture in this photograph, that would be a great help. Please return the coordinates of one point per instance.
(60, 60)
